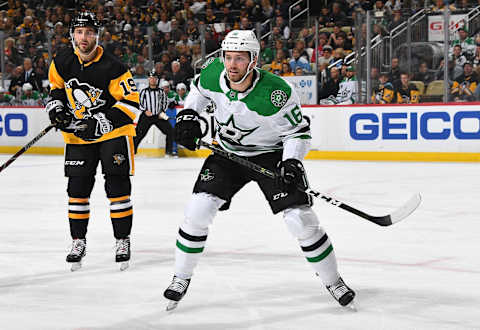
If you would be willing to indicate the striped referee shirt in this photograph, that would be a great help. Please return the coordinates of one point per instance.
(154, 100)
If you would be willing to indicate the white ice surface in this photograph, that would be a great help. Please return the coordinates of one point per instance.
(421, 273)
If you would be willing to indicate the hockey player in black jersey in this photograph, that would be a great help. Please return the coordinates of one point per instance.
(94, 102)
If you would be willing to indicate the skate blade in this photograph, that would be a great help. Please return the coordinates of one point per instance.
(76, 266)
(351, 307)
(171, 305)
(124, 265)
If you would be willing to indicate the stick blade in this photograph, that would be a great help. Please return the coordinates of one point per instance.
(407, 209)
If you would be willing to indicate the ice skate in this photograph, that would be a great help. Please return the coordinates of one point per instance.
(342, 293)
(175, 292)
(78, 251)
(122, 252)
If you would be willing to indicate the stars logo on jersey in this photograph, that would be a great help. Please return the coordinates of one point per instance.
(83, 98)
(229, 132)
(278, 98)
(207, 175)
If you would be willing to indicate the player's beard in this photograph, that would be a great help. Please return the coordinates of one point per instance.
(88, 49)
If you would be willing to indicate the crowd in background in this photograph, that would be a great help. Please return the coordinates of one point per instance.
(33, 27)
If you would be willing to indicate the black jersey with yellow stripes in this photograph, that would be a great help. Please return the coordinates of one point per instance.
(102, 85)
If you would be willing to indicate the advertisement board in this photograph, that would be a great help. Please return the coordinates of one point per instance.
(435, 25)
(447, 132)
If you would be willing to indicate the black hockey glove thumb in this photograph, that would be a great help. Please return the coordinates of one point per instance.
(187, 129)
(291, 175)
(94, 127)
(59, 116)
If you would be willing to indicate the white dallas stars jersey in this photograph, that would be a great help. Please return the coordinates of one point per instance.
(265, 118)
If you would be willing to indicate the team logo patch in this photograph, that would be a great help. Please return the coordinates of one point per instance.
(207, 175)
(208, 62)
(83, 98)
(118, 159)
(278, 98)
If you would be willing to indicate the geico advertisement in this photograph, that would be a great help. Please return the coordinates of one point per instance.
(439, 128)
(19, 125)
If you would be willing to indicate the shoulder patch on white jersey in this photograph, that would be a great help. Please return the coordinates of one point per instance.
(278, 98)
(208, 62)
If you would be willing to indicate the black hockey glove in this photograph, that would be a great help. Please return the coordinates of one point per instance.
(94, 127)
(59, 116)
(187, 129)
(291, 175)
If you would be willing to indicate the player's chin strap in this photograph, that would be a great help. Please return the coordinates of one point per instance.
(386, 220)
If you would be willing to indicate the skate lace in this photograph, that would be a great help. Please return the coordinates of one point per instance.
(338, 289)
(178, 285)
(122, 246)
(78, 247)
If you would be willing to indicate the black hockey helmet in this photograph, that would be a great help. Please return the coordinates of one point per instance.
(153, 74)
(83, 19)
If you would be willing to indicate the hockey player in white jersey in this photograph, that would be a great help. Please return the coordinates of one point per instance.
(258, 115)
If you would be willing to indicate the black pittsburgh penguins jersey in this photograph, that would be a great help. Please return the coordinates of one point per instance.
(102, 85)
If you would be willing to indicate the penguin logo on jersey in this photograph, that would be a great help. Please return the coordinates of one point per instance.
(118, 159)
(83, 98)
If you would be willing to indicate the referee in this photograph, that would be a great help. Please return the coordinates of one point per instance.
(153, 103)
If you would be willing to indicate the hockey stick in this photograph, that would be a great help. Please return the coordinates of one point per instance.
(27, 146)
(386, 220)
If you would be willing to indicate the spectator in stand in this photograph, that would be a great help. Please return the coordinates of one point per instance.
(396, 20)
(266, 53)
(464, 86)
(11, 52)
(394, 74)
(276, 65)
(331, 87)
(297, 61)
(178, 76)
(384, 93)
(16, 82)
(405, 91)
(325, 19)
(283, 26)
(341, 41)
(139, 72)
(300, 45)
(327, 54)
(423, 74)
(440, 5)
(460, 59)
(299, 71)
(164, 25)
(476, 57)
(339, 17)
(286, 70)
(453, 71)
(338, 56)
(282, 7)
(146, 64)
(466, 43)
(322, 42)
(186, 65)
(280, 45)
(245, 24)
